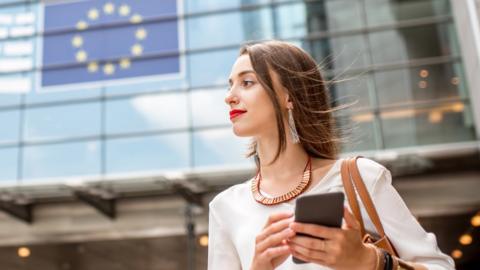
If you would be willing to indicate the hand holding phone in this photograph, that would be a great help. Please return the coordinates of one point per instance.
(324, 209)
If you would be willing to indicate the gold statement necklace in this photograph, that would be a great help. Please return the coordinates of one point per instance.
(302, 186)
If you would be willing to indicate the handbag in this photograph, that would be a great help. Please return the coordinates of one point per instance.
(353, 184)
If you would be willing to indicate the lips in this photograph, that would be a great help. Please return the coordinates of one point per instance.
(235, 113)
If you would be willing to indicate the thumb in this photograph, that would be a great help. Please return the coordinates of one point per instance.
(350, 221)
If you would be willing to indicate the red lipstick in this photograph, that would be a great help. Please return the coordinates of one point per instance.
(235, 113)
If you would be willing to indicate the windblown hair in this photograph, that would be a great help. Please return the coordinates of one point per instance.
(300, 76)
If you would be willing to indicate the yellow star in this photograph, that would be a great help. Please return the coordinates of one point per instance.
(92, 67)
(77, 41)
(108, 8)
(125, 63)
(136, 18)
(141, 33)
(93, 14)
(81, 56)
(124, 10)
(82, 25)
(109, 69)
(137, 49)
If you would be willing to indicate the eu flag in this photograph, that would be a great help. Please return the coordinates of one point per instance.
(99, 40)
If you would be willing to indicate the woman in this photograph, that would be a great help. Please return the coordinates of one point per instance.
(278, 97)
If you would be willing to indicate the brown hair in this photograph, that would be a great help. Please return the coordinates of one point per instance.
(300, 76)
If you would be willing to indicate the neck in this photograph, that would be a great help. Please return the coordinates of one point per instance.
(289, 165)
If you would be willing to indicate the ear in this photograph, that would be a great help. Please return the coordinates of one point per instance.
(288, 102)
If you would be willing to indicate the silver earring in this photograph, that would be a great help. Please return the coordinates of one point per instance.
(293, 129)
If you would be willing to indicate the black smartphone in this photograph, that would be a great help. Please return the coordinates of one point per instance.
(324, 209)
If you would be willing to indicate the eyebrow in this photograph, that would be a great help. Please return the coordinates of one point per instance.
(241, 74)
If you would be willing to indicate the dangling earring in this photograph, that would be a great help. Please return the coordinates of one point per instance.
(293, 129)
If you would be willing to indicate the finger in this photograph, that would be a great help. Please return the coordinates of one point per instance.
(315, 230)
(308, 242)
(309, 254)
(302, 257)
(299, 256)
(274, 252)
(276, 217)
(350, 221)
(274, 240)
(274, 228)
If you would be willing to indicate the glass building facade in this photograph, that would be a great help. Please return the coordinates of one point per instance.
(399, 60)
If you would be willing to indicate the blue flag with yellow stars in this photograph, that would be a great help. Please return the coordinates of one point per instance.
(100, 40)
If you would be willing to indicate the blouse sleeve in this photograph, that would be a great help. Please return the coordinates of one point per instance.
(408, 237)
(221, 251)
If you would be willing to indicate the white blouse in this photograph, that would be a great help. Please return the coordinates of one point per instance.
(236, 218)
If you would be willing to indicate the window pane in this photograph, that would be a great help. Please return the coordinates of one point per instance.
(10, 1)
(291, 20)
(147, 86)
(9, 99)
(9, 126)
(413, 43)
(147, 113)
(420, 84)
(233, 28)
(359, 132)
(319, 16)
(62, 121)
(341, 53)
(61, 160)
(353, 90)
(63, 93)
(209, 108)
(17, 47)
(387, 12)
(12, 85)
(209, 5)
(219, 147)
(443, 123)
(342, 14)
(8, 165)
(212, 68)
(163, 152)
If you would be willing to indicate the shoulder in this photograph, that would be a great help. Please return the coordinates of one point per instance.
(372, 172)
(230, 197)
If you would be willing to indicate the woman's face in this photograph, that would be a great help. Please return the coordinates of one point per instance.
(251, 112)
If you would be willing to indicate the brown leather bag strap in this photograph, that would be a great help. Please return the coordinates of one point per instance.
(365, 196)
(351, 195)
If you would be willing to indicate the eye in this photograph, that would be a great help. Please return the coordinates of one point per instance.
(247, 83)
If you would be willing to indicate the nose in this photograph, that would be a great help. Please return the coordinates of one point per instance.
(231, 98)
